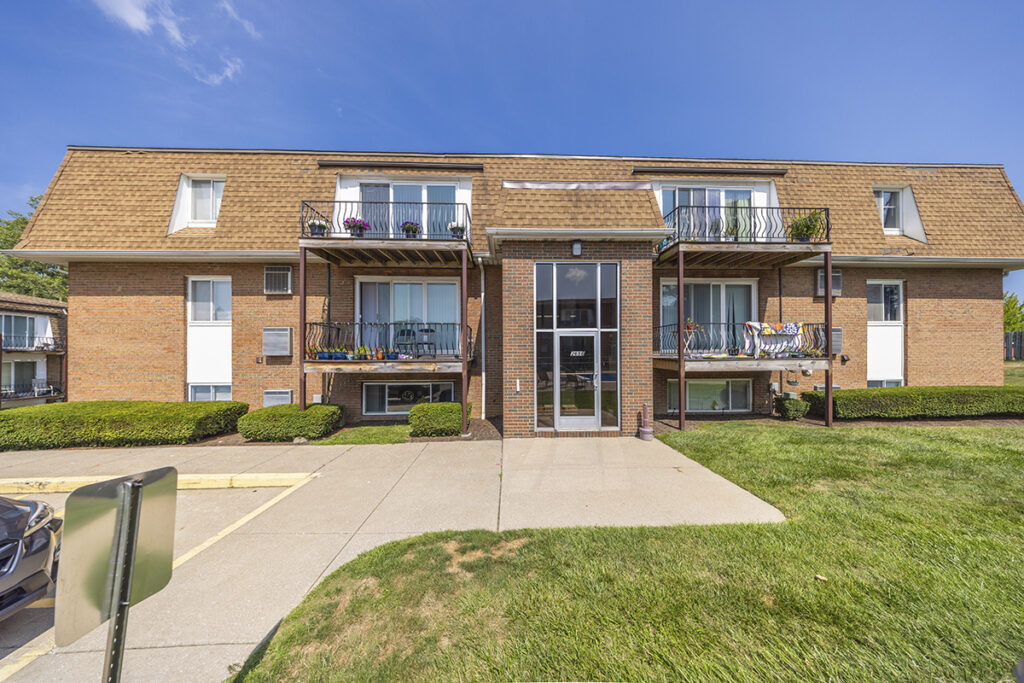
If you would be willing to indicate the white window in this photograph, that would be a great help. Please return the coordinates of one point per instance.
(712, 396)
(277, 397)
(882, 383)
(385, 309)
(889, 209)
(277, 280)
(204, 200)
(389, 206)
(209, 300)
(885, 302)
(394, 398)
(837, 282)
(209, 392)
(19, 331)
(715, 313)
(709, 212)
(18, 376)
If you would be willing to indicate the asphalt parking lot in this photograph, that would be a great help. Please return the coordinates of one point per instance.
(246, 556)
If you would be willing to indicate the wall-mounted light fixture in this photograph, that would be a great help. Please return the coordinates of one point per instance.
(577, 248)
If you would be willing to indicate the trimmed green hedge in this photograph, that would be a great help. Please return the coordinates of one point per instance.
(116, 423)
(286, 422)
(919, 402)
(437, 419)
(791, 408)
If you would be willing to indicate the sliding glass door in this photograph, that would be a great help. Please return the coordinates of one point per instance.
(709, 213)
(715, 315)
(393, 312)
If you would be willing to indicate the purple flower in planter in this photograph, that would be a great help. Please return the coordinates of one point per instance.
(356, 226)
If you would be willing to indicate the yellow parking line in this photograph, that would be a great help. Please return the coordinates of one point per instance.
(44, 643)
(185, 481)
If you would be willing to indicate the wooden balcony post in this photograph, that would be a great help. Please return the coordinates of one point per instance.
(681, 341)
(302, 328)
(464, 345)
(828, 337)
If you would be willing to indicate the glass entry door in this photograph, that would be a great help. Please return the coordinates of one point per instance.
(576, 400)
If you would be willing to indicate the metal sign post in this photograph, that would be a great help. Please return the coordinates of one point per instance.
(117, 551)
(129, 505)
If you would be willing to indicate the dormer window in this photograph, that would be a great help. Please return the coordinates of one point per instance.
(889, 210)
(205, 199)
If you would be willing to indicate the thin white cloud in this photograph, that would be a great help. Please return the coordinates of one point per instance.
(232, 65)
(140, 15)
(246, 24)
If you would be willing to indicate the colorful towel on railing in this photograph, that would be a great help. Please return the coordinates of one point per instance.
(788, 329)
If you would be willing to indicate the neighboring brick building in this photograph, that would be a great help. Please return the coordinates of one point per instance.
(546, 285)
(32, 354)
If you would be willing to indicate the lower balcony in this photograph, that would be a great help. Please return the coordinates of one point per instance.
(735, 347)
(37, 388)
(369, 347)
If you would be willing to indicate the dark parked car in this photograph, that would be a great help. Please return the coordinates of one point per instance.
(29, 551)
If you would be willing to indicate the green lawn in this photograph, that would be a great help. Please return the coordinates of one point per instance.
(916, 534)
(368, 434)
(1013, 372)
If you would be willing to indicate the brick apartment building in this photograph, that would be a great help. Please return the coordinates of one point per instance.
(32, 343)
(543, 290)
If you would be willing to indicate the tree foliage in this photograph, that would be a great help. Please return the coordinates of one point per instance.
(1013, 313)
(22, 276)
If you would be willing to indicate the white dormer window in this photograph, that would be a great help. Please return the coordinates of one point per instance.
(205, 199)
(890, 209)
(197, 203)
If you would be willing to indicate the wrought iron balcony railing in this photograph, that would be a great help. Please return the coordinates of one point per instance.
(742, 340)
(385, 341)
(751, 225)
(386, 220)
(36, 388)
(22, 342)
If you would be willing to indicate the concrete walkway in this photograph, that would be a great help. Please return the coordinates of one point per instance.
(224, 600)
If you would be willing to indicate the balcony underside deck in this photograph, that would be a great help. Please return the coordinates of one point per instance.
(433, 365)
(432, 253)
(740, 254)
(670, 362)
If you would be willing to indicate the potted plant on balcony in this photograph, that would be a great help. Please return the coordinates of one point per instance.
(411, 229)
(730, 233)
(392, 354)
(379, 353)
(803, 228)
(316, 228)
(356, 227)
(457, 230)
(323, 353)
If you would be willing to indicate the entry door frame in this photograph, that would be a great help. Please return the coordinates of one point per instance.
(590, 423)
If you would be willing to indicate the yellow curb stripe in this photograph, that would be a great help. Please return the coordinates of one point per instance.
(44, 642)
(185, 481)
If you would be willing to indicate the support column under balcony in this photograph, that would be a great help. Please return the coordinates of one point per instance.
(302, 328)
(464, 345)
(828, 338)
(681, 342)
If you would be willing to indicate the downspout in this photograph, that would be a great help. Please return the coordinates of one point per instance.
(482, 345)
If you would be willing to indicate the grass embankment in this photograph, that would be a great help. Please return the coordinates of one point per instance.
(1013, 372)
(901, 559)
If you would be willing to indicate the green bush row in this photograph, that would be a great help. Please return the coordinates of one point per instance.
(286, 422)
(791, 408)
(919, 402)
(116, 423)
(436, 419)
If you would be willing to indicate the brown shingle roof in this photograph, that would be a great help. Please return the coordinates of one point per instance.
(113, 199)
(9, 301)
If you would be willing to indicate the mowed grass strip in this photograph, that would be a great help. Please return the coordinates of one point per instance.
(1013, 372)
(901, 559)
(370, 434)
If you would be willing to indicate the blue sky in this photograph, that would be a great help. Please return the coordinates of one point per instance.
(879, 81)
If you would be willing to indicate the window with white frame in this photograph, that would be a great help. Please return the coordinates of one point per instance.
(837, 282)
(204, 199)
(884, 383)
(276, 397)
(889, 209)
(209, 392)
(885, 302)
(709, 212)
(19, 331)
(712, 396)
(398, 312)
(277, 280)
(715, 313)
(18, 376)
(389, 206)
(398, 398)
(209, 300)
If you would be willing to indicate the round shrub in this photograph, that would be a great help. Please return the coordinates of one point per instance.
(791, 408)
(436, 419)
(287, 422)
(116, 423)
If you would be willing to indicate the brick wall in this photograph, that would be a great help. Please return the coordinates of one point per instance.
(517, 277)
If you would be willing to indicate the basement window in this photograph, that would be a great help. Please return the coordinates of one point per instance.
(392, 398)
(209, 392)
(277, 397)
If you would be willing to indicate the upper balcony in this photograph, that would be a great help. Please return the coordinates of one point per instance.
(386, 233)
(744, 236)
(30, 342)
